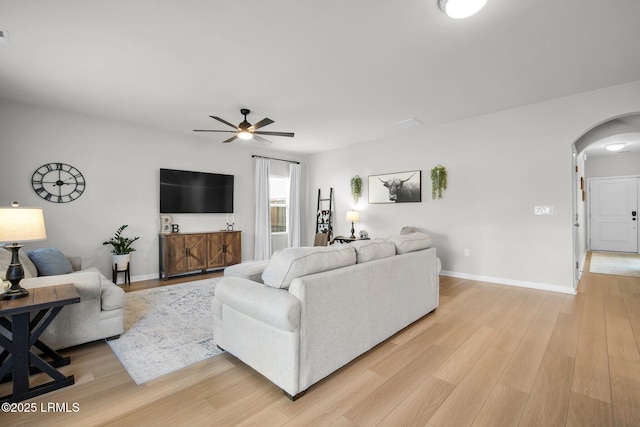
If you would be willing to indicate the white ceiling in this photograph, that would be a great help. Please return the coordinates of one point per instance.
(334, 72)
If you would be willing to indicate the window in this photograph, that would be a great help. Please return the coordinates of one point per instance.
(279, 203)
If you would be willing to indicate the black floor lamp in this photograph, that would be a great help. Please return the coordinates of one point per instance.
(19, 225)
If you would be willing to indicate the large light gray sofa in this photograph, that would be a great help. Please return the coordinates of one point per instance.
(321, 307)
(98, 315)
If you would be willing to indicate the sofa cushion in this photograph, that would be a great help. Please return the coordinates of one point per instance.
(251, 270)
(50, 262)
(410, 242)
(408, 229)
(370, 250)
(290, 263)
(276, 308)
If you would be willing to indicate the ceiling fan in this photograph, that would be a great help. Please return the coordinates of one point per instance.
(246, 130)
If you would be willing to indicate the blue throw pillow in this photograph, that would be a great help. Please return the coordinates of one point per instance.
(50, 262)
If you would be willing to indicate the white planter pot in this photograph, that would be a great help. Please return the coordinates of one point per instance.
(119, 262)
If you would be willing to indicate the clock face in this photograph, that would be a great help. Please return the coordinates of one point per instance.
(58, 182)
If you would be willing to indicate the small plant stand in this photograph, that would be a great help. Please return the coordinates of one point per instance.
(126, 271)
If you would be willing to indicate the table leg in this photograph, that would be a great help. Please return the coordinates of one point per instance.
(20, 354)
(22, 361)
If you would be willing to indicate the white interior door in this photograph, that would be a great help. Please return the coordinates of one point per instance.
(613, 212)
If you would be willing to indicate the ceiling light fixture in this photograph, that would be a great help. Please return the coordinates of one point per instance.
(245, 134)
(459, 9)
(615, 147)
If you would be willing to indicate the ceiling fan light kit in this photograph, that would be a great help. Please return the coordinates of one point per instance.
(246, 130)
(459, 9)
(245, 134)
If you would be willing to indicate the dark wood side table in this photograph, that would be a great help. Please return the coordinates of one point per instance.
(342, 239)
(17, 360)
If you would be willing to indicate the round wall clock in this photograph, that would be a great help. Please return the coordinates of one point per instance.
(58, 182)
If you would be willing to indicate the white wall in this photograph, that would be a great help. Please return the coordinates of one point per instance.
(121, 165)
(500, 166)
(621, 164)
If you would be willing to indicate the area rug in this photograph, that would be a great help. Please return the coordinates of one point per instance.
(620, 264)
(166, 329)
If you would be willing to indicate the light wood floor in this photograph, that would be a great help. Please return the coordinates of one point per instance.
(491, 355)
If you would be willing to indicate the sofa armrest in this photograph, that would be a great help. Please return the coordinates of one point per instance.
(275, 307)
(251, 270)
(112, 297)
(87, 283)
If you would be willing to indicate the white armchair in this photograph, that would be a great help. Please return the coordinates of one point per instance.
(99, 314)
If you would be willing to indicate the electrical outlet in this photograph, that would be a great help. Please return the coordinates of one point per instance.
(467, 252)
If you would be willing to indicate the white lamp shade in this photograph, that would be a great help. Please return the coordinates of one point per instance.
(21, 224)
(353, 216)
(459, 9)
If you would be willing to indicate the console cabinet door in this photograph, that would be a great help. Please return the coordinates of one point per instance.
(196, 249)
(175, 255)
(233, 248)
(216, 250)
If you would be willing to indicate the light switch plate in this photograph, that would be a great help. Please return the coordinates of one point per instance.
(543, 210)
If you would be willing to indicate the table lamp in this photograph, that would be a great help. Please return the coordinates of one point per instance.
(353, 216)
(19, 225)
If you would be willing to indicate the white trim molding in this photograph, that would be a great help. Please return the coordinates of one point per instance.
(510, 282)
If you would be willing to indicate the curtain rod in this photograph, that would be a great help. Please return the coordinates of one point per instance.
(273, 158)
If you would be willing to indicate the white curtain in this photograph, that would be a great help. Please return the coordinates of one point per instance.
(263, 211)
(294, 205)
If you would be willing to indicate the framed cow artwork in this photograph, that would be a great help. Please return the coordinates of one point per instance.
(398, 187)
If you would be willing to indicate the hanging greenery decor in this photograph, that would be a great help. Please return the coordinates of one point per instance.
(438, 181)
(356, 188)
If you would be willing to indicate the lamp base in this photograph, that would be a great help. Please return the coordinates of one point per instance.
(15, 273)
(11, 293)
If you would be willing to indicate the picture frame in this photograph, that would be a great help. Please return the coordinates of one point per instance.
(165, 224)
(396, 187)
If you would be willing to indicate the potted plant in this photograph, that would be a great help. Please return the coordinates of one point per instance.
(356, 188)
(438, 181)
(121, 248)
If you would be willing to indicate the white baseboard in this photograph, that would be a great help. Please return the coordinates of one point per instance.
(510, 282)
(142, 277)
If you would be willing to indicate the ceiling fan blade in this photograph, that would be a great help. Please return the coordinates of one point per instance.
(261, 139)
(233, 138)
(209, 130)
(275, 133)
(224, 121)
(262, 123)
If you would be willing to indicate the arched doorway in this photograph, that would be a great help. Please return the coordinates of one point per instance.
(591, 145)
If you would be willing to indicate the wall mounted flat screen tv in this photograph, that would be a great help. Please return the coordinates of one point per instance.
(195, 192)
